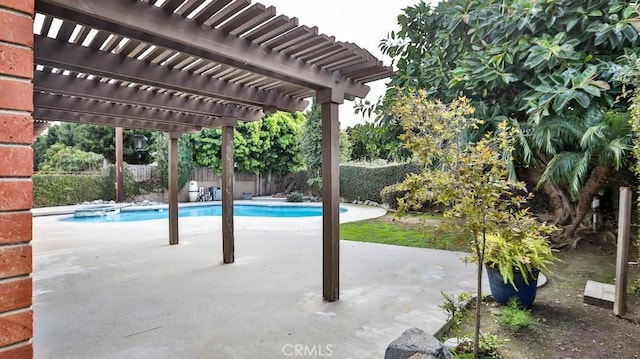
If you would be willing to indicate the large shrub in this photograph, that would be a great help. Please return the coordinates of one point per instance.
(185, 158)
(61, 189)
(54, 189)
(131, 187)
(365, 181)
(62, 158)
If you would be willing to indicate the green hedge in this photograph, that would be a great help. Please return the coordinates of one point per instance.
(61, 189)
(52, 189)
(365, 181)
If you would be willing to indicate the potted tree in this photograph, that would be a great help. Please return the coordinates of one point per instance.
(514, 257)
(473, 179)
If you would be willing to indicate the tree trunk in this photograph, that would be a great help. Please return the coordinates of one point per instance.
(559, 201)
(480, 249)
(599, 177)
(567, 211)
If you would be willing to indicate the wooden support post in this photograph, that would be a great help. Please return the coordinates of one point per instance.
(228, 126)
(119, 165)
(622, 258)
(173, 187)
(330, 194)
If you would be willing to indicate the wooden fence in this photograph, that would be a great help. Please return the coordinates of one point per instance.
(142, 172)
(257, 185)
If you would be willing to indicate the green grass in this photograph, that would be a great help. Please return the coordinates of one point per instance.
(515, 317)
(418, 231)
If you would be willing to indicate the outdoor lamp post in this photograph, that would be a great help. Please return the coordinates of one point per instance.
(139, 143)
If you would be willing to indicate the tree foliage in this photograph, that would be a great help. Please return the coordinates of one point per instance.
(185, 158)
(528, 60)
(91, 138)
(371, 142)
(311, 142)
(271, 144)
(536, 64)
(62, 158)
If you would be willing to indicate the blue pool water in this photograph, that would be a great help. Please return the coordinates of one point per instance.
(210, 210)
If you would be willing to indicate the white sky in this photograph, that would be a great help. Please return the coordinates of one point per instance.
(363, 22)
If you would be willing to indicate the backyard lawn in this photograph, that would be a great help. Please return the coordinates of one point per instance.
(422, 231)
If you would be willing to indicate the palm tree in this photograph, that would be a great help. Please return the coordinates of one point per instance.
(583, 154)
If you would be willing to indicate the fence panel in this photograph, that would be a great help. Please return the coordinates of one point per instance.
(142, 172)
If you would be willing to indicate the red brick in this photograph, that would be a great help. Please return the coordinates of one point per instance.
(15, 260)
(16, 161)
(15, 227)
(16, 28)
(16, 327)
(24, 351)
(16, 195)
(25, 6)
(15, 293)
(16, 129)
(16, 95)
(16, 61)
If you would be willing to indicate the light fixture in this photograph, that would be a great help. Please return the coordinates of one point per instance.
(139, 143)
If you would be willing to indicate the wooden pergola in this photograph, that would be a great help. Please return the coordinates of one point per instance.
(182, 65)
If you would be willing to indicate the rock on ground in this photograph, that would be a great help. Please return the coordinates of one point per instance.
(416, 341)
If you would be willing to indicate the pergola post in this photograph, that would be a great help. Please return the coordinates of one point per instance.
(173, 187)
(228, 125)
(330, 101)
(119, 165)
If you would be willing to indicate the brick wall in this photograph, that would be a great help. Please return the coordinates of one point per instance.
(16, 135)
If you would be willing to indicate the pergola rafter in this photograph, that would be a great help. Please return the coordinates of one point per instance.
(135, 95)
(62, 55)
(167, 29)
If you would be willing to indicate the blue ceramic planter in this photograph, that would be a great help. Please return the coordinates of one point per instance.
(502, 292)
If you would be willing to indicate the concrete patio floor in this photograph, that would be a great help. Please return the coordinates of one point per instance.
(118, 290)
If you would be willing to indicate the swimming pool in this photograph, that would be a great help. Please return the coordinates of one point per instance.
(241, 210)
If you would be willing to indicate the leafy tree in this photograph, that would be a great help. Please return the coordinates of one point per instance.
(534, 63)
(185, 158)
(370, 142)
(62, 158)
(592, 149)
(311, 142)
(470, 179)
(92, 138)
(280, 135)
(271, 144)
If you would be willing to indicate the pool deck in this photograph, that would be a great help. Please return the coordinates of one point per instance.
(118, 290)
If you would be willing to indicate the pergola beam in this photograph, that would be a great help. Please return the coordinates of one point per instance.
(104, 120)
(62, 55)
(150, 24)
(94, 89)
(97, 107)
